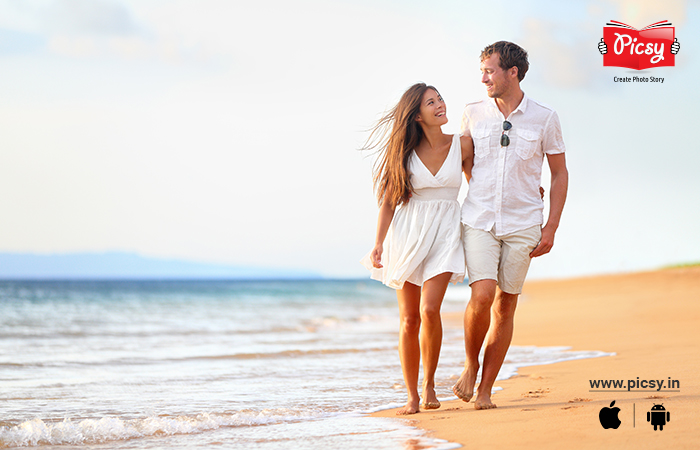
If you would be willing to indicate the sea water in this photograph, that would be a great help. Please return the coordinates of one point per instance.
(200, 364)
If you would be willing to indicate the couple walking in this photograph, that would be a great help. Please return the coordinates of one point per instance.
(425, 240)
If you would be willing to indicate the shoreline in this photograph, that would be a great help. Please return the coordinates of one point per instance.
(649, 321)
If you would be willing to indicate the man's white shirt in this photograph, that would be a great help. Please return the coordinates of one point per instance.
(504, 189)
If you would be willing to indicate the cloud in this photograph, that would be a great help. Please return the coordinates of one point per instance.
(105, 29)
(640, 13)
(566, 63)
(89, 17)
(16, 42)
(72, 28)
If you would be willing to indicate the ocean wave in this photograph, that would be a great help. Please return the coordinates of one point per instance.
(50, 335)
(37, 432)
(144, 361)
(291, 353)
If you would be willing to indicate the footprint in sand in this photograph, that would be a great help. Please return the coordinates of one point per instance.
(536, 393)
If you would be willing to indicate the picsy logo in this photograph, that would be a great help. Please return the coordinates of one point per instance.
(652, 46)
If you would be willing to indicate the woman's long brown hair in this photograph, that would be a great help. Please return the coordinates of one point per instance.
(395, 135)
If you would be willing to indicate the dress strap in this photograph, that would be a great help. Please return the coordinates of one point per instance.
(457, 145)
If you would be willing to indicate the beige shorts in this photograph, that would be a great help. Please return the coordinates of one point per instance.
(505, 259)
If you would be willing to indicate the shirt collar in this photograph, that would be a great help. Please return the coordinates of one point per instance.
(522, 107)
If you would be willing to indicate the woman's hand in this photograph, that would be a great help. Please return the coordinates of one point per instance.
(376, 256)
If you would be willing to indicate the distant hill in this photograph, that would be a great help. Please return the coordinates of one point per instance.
(117, 265)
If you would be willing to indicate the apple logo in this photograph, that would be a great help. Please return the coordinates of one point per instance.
(608, 417)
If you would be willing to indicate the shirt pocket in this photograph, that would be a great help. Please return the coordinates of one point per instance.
(526, 145)
(482, 140)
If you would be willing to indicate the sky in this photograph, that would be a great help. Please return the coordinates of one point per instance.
(228, 131)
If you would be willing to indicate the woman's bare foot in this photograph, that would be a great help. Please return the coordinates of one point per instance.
(410, 408)
(464, 387)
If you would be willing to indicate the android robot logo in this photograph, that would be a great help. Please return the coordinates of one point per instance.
(658, 416)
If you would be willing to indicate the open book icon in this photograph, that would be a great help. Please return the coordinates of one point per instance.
(639, 49)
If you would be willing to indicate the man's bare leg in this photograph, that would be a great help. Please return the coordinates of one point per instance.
(477, 318)
(409, 347)
(497, 344)
(431, 334)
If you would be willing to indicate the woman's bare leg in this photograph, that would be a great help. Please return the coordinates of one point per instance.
(431, 334)
(409, 347)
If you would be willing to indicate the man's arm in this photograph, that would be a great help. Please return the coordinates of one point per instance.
(557, 198)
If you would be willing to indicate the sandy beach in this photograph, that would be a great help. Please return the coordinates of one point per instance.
(650, 321)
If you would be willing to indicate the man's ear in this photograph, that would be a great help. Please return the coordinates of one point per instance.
(513, 71)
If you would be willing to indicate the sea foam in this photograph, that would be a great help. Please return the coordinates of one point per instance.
(107, 429)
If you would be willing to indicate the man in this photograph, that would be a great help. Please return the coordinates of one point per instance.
(502, 215)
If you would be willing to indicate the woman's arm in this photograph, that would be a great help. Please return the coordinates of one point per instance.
(386, 215)
(467, 156)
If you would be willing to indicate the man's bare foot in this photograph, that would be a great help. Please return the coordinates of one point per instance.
(464, 387)
(410, 408)
(483, 402)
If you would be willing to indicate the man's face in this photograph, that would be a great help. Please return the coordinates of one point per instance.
(497, 81)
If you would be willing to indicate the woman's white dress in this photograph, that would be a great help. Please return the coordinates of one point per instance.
(425, 236)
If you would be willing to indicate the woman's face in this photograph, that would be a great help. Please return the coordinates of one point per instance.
(432, 109)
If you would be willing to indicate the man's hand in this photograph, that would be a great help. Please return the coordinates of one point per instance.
(603, 48)
(546, 243)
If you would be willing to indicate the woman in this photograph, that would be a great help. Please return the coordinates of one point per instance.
(418, 248)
